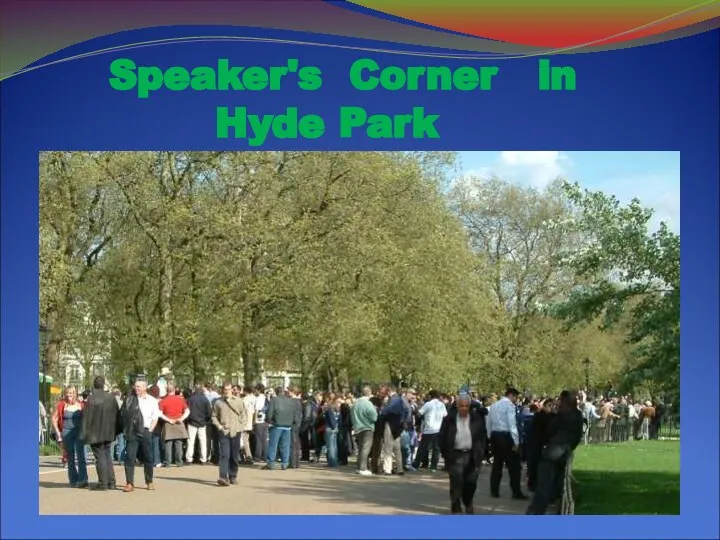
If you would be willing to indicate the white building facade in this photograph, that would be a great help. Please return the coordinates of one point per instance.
(72, 371)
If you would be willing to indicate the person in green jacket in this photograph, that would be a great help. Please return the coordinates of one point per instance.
(364, 415)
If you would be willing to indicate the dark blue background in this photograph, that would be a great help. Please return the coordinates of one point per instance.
(659, 97)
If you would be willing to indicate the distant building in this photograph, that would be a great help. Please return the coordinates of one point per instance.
(86, 347)
(272, 379)
(277, 375)
(269, 379)
(72, 371)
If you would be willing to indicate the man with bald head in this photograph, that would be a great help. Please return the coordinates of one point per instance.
(463, 439)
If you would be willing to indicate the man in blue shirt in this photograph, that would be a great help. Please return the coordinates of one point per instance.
(505, 439)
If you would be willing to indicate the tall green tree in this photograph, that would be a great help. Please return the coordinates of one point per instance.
(521, 234)
(78, 218)
(342, 266)
(333, 264)
(633, 273)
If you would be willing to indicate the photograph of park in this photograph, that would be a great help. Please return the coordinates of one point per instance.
(366, 333)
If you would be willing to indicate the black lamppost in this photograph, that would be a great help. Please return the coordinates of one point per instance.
(43, 360)
(586, 363)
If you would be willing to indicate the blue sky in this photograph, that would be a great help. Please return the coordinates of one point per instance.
(652, 177)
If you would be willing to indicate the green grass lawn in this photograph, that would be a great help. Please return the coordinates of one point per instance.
(50, 450)
(639, 477)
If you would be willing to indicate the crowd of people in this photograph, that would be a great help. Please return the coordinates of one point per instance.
(387, 431)
(619, 419)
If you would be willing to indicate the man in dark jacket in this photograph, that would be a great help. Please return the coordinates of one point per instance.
(621, 432)
(537, 438)
(563, 435)
(295, 445)
(282, 415)
(198, 421)
(308, 438)
(463, 440)
(99, 428)
(395, 415)
(138, 426)
(657, 420)
(379, 431)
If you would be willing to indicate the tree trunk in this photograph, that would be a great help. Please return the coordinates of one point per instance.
(87, 376)
(332, 379)
(53, 341)
(166, 288)
(195, 349)
(343, 380)
(304, 379)
(251, 363)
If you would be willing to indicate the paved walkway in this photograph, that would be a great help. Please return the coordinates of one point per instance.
(314, 490)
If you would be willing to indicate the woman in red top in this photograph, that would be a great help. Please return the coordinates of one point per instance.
(66, 421)
(174, 411)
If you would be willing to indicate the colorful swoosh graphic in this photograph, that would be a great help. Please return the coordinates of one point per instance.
(31, 30)
(552, 23)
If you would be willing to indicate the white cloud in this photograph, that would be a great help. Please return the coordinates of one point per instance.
(659, 190)
(481, 172)
(536, 169)
(543, 159)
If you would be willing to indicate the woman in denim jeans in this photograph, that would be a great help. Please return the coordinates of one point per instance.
(408, 444)
(332, 425)
(67, 420)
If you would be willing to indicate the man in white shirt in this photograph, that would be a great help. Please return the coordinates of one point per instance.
(591, 416)
(505, 440)
(260, 427)
(433, 412)
(140, 418)
(463, 440)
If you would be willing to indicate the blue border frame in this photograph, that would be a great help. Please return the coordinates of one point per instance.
(659, 97)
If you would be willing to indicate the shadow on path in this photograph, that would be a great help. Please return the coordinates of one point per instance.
(190, 480)
(310, 490)
(396, 494)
